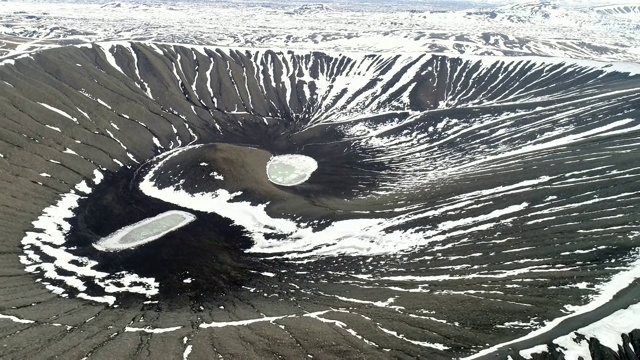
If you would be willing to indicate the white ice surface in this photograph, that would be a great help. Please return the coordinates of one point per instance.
(290, 169)
(113, 242)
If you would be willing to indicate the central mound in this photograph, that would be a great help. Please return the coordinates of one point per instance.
(422, 185)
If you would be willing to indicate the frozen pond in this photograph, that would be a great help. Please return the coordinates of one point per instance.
(290, 170)
(145, 231)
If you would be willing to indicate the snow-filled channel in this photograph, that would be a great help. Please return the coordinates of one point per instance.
(145, 231)
(290, 169)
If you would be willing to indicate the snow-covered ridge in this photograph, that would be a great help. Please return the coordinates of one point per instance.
(563, 29)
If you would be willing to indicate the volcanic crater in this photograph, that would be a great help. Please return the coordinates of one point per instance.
(457, 201)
